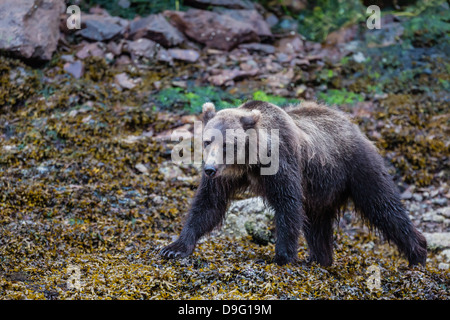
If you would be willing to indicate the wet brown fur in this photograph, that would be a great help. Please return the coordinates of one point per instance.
(325, 160)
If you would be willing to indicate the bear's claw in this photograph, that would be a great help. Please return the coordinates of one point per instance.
(174, 251)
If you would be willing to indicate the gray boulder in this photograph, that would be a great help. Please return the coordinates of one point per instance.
(438, 240)
(249, 217)
(155, 27)
(100, 27)
(142, 48)
(29, 30)
(221, 30)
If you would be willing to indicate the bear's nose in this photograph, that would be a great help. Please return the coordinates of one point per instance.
(210, 170)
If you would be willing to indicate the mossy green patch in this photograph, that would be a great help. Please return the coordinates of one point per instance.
(429, 23)
(192, 98)
(277, 100)
(340, 97)
(326, 16)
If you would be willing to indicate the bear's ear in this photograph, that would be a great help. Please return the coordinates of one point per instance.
(209, 111)
(251, 120)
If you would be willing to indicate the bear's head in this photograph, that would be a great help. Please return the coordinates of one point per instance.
(229, 139)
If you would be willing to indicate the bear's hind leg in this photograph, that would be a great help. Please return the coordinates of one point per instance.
(376, 197)
(319, 236)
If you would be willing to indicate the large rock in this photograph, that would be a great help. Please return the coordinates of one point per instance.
(221, 30)
(438, 240)
(247, 217)
(142, 48)
(155, 27)
(226, 75)
(101, 27)
(251, 17)
(30, 31)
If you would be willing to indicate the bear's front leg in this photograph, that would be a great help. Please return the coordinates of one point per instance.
(288, 221)
(284, 194)
(207, 212)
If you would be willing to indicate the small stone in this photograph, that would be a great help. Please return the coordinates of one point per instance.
(438, 218)
(124, 4)
(443, 266)
(414, 207)
(187, 55)
(67, 58)
(439, 201)
(428, 216)
(261, 47)
(86, 119)
(102, 27)
(417, 196)
(359, 57)
(445, 254)
(142, 168)
(123, 81)
(42, 169)
(76, 69)
(444, 211)
(290, 46)
(170, 171)
(123, 60)
(259, 232)
(438, 240)
(434, 193)
(406, 195)
(90, 49)
(142, 47)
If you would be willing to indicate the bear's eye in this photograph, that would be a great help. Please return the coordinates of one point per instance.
(206, 143)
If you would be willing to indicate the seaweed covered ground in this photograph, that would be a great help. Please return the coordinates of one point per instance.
(89, 194)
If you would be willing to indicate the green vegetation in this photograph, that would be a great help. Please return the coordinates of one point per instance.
(327, 16)
(277, 100)
(192, 99)
(429, 25)
(339, 97)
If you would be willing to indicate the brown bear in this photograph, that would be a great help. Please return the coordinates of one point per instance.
(323, 160)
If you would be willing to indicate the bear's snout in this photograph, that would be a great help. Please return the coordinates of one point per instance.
(210, 170)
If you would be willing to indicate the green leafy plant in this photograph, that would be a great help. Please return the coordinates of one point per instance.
(192, 99)
(428, 25)
(329, 15)
(338, 97)
(277, 100)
